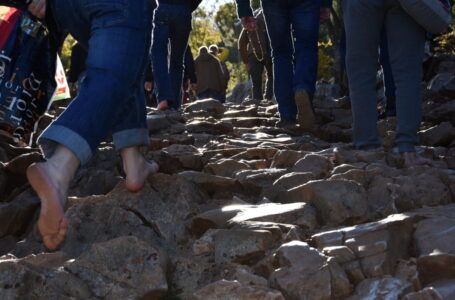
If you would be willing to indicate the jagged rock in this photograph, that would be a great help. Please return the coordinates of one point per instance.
(440, 135)
(383, 288)
(241, 246)
(436, 234)
(188, 156)
(381, 201)
(436, 266)
(210, 106)
(305, 271)
(286, 182)
(97, 182)
(377, 246)
(446, 288)
(356, 175)
(256, 153)
(226, 167)
(407, 270)
(286, 158)
(443, 84)
(211, 183)
(254, 181)
(224, 289)
(245, 277)
(337, 201)
(209, 126)
(296, 213)
(318, 165)
(425, 294)
(425, 189)
(125, 267)
(155, 123)
(15, 216)
(247, 112)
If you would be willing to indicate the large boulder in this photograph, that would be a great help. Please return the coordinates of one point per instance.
(122, 268)
(305, 273)
(224, 289)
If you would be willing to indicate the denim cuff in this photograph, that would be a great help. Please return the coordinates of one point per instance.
(130, 138)
(406, 147)
(58, 134)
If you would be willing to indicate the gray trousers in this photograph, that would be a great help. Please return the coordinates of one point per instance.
(363, 22)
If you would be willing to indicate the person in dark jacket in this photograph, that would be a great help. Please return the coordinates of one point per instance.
(215, 51)
(293, 28)
(110, 100)
(172, 27)
(211, 82)
(254, 48)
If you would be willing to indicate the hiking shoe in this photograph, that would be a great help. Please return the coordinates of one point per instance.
(305, 114)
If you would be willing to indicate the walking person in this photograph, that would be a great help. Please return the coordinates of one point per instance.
(215, 51)
(210, 77)
(364, 20)
(293, 29)
(111, 100)
(172, 27)
(254, 48)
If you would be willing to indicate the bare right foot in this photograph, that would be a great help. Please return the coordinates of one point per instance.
(305, 114)
(411, 159)
(52, 223)
(135, 179)
(163, 105)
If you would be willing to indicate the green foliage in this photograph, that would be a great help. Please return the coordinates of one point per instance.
(225, 20)
(446, 42)
(204, 32)
(65, 52)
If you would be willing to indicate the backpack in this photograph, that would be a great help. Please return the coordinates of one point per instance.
(433, 15)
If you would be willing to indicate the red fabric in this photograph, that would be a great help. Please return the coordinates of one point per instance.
(7, 23)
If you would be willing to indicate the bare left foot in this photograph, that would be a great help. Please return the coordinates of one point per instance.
(305, 115)
(411, 159)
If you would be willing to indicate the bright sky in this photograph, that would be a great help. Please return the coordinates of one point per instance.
(213, 4)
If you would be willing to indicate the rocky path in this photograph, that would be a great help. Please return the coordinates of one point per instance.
(244, 210)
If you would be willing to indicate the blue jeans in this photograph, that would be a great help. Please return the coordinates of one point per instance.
(293, 31)
(364, 21)
(389, 82)
(111, 100)
(172, 27)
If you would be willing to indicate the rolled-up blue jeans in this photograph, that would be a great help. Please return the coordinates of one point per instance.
(293, 29)
(172, 27)
(111, 101)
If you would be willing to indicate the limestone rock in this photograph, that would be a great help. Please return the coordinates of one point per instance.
(224, 289)
(435, 234)
(207, 105)
(387, 288)
(125, 267)
(241, 246)
(337, 201)
(436, 266)
(318, 165)
(440, 135)
(425, 294)
(305, 273)
(226, 167)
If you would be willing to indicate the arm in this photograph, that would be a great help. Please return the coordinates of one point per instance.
(244, 8)
(189, 66)
(243, 46)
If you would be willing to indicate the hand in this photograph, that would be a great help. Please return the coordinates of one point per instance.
(148, 86)
(38, 8)
(249, 23)
(324, 15)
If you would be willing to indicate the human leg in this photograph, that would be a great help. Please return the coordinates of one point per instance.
(256, 70)
(278, 24)
(363, 22)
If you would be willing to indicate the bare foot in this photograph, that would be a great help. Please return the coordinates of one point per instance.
(137, 168)
(305, 114)
(135, 180)
(163, 105)
(411, 159)
(52, 223)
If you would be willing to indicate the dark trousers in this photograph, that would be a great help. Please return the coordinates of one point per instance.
(256, 72)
